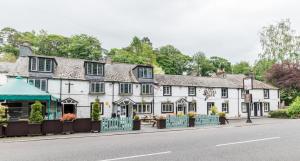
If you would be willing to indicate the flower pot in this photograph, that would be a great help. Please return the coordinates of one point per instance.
(34, 129)
(96, 126)
(136, 125)
(67, 127)
(51, 127)
(222, 120)
(16, 128)
(82, 125)
(161, 123)
(1, 131)
(191, 122)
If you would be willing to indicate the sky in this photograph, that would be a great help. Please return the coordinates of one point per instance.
(225, 28)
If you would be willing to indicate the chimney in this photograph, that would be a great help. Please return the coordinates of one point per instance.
(25, 50)
(221, 73)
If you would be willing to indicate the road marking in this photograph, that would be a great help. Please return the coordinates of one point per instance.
(248, 141)
(137, 156)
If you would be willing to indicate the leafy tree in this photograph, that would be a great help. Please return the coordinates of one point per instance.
(36, 113)
(201, 66)
(12, 36)
(294, 110)
(53, 45)
(241, 68)
(221, 63)
(279, 42)
(172, 61)
(96, 110)
(261, 67)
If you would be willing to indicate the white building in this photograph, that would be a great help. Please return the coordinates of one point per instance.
(124, 88)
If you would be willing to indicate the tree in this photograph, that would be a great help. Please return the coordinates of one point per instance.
(36, 113)
(261, 67)
(221, 63)
(172, 61)
(96, 110)
(241, 68)
(279, 42)
(201, 66)
(53, 45)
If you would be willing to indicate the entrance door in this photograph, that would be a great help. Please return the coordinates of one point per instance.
(209, 105)
(181, 108)
(255, 108)
(124, 110)
(69, 108)
(261, 109)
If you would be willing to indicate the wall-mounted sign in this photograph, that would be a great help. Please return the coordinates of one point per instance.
(248, 83)
(209, 92)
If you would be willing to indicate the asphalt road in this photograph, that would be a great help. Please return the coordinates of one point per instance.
(270, 142)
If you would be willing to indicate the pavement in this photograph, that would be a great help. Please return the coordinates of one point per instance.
(265, 140)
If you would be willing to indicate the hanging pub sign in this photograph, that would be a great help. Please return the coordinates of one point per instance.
(209, 92)
(248, 83)
(248, 98)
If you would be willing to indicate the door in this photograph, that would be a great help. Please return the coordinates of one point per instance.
(124, 111)
(209, 105)
(261, 109)
(255, 108)
(181, 108)
(69, 108)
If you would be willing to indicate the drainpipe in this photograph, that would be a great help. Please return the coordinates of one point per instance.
(113, 97)
(238, 102)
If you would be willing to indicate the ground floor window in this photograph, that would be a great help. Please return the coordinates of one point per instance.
(101, 108)
(225, 107)
(142, 108)
(192, 107)
(167, 108)
(244, 107)
(266, 106)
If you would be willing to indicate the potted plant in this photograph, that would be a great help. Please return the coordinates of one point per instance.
(214, 110)
(161, 122)
(35, 119)
(136, 125)
(3, 120)
(191, 116)
(222, 118)
(96, 116)
(67, 123)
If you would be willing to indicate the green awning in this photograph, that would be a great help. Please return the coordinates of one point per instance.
(20, 90)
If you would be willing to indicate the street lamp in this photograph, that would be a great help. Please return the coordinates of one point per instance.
(247, 86)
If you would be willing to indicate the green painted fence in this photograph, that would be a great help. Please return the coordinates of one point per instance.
(116, 124)
(206, 120)
(177, 121)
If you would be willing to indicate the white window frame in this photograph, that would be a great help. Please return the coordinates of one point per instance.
(123, 88)
(167, 90)
(167, 108)
(147, 89)
(224, 92)
(93, 85)
(266, 106)
(33, 67)
(266, 93)
(225, 107)
(145, 72)
(99, 69)
(33, 80)
(143, 108)
(192, 91)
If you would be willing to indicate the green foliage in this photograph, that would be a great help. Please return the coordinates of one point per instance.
(3, 118)
(8, 57)
(36, 115)
(241, 68)
(214, 110)
(201, 66)
(289, 94)
(261, 67)
(221, 63)
(282, 113)
(294, 110)
(222, 114)
(136, 117)
(96, 110)
(191, 114)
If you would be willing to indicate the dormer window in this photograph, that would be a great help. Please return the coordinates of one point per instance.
(93, 68)
(41, 64)
(145, 72)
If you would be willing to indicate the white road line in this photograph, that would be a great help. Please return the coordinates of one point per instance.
(248, 141)
(137, 156)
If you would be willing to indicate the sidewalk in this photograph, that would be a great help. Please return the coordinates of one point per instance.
(144, 129)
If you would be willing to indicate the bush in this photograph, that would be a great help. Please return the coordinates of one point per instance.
(294, 110)
(282, 113)
(214, 110)
(136, 117)
(68, 117)
(36, 115)
(3, 117)
(222, 114)
(191, 114)
(96, 110)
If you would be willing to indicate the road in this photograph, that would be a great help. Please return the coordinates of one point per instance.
(270, 142)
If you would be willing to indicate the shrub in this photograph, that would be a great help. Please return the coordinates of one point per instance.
(68, 117)
(180, 114)
(282, 113)
(294, 110)
(36, 115)
(136, 117)
(222, 114)
(214, 110)
(96, 110)
(191, 114)
(3, 117)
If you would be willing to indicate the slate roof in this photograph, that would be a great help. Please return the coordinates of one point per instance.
(118, 72)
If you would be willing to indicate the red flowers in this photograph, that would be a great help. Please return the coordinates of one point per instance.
(68, 117)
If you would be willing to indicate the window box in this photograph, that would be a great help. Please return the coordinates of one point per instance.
(136, 125)
(34, 129)
(161, 123)
(82, 125)
(51, 127)
(67, 127)
(96, 126)
(16, 128)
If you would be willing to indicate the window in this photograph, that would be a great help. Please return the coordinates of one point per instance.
(244, 107)
(97, 87)
(144, 108)
(92, 68)
(192, 91)
(101, 108)
(41, 64)
(243, 93)
(167, 90)
(125, 88)
(167, 108)
(192, 107)
(266, 106)
(224, 92)
(145, 72)
(266, 93)
(225, 107)
(147, 89)
(39, 83)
